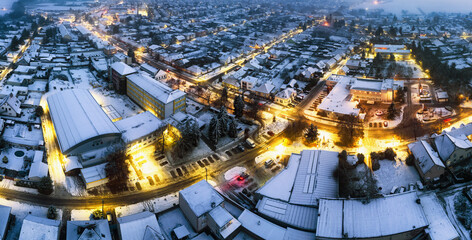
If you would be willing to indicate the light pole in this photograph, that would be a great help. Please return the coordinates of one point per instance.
(103, 212)
(206, 174)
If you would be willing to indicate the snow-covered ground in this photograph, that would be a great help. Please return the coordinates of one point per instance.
(83, 78)
(450, 210)
(155, 205)
(466, 104)
(74, 187)
(395, 173)
(10, 184)
(21, 210)
(81, 214)
(15, 162)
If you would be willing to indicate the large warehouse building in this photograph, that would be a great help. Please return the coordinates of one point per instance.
(80, 123)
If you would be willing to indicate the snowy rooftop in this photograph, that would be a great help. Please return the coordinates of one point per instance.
(302, 217)
(338, 100)
(39, 228)
(308, 177)
(95, 173)
(77, 117)
(425, 154)
(386, 216)
(138, 126)
(4, 217)
(446, 144)
(224, 219)
(260, 227)
(134, 227)
(122, 68)
(367, 85)
(200, 197)
(89, 230)
(155, 88)
(440, 228)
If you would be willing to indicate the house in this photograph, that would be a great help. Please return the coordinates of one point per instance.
(453, 150)
(285, 96)
(197, 201)
(39, 228)
(222, 223)
(140, 226)
(38, 168)
(91, 230)
(5, 213)
(427, 160)
(248, 82)
(10, 106)
(264, 90)
(149, 69)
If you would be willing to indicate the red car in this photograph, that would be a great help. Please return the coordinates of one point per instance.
(270, 133)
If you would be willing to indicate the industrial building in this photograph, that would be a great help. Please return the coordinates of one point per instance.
(154, 96)
(80, 123)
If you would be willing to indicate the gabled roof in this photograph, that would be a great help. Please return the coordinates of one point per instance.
(92, 230)
(155, 88)
(427, 157)
(446, 144)
(134, 227)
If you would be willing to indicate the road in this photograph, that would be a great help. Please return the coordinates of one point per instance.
(65, 201)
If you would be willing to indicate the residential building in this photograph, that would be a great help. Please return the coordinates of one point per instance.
(197, 201)
(454, 150)
(427, 160)
(140, 226)
(154, 96)
(10, 106)
(93, 229)
(39, 228)
(5, 216)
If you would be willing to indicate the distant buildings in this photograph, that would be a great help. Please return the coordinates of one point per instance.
(400, 52)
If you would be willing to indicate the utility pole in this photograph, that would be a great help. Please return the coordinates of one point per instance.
(103, 212)
(206, 174)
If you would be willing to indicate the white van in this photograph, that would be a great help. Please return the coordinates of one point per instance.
(250, 142)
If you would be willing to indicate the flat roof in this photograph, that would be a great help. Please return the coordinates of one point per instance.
(138, 126)
(200, 197)
(261, 227)
(367, 85)
(339, 100)
(155, 88)
(77, 117)
(440, 227)
(385, 216)
(4, 217)
(95, 173)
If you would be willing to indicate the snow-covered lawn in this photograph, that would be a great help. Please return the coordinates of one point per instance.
(21, 210)
(10, 184)
(450, 210)
(15, 162)
(155, 205)
(81, 214)
(395, 173)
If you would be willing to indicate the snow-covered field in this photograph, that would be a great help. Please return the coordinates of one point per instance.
(21, 210)
(10, 184)
(395, 173)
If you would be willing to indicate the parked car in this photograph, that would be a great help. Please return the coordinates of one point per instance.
(270, 133)
(240, 148)
(251, 142)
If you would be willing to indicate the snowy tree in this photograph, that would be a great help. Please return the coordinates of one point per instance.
(238, 106)
(311, 134)
(52, 212)
(224, 97)
(194, 132)
(232, 129)
(223, 121)
(214, 130)
(391, 112)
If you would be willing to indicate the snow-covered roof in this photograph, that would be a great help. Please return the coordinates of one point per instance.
(4, 217)
(133, 227)
(201, 197)
(122, 68)
(261, 227)
(307, 178)
(149, 69)
(447, 144)
(224, 219)
(39, 228)
(155, 88)
(339, 99)
(138, 126)
(72, 162)
(440, 227)
(89, 230)
(302, 217)
(427, 157)
(385, 216)
(38, 170)
(77, 117)
(367, 85)
(93, 174)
